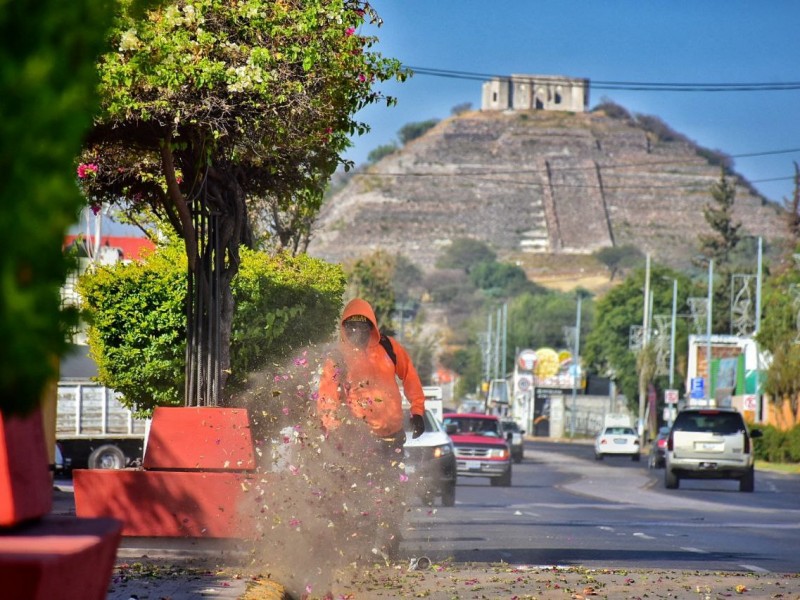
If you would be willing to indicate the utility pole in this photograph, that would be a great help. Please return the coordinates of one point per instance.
(672, 344)
(575, 363)
(759, 416)
(708, 329)
(645, 342)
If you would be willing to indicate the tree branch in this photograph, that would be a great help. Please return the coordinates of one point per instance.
(179, 202)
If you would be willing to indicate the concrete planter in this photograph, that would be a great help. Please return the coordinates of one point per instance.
(199, 467)
(26, 488)
(43, 556)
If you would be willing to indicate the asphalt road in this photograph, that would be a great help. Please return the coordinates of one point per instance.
(565, 508)
(567, 525)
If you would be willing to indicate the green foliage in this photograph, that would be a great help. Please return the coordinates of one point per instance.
(778, 446)
(371, 278)
(778, 332)
(137, 327)
(779, 313)
(282, 303)
(606, 348)
(465, 253)
(719, 216)
(48, 81)
(613, 110)
(502, 280)
(380, 152)
(619, 258)
(538, 320)
(660, 130)
(411, 131)
(252, 102)
(136, 312)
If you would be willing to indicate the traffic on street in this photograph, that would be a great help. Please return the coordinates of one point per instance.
(565, 508)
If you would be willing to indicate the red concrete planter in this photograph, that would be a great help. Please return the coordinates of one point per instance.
(44, 557)
(26, 488)
(199, 468)
(59, 557)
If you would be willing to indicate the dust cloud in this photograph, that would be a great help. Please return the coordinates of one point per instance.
(324, 502)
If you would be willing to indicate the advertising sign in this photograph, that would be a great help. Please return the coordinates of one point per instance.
(697, 389)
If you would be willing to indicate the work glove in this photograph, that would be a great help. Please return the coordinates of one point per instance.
(418, 424)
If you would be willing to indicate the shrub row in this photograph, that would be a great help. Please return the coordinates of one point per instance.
(778, 446)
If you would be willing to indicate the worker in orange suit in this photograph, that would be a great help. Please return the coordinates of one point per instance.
(360, 406)
(360, 376)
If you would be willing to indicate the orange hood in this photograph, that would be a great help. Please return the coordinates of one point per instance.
(357, 306)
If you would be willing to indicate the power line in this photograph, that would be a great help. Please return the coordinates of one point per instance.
(620, 85)
(487, 177)
(485, 174)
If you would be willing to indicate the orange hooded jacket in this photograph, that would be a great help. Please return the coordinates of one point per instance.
(366, 382)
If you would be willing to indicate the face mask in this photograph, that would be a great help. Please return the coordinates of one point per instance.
(358, 333)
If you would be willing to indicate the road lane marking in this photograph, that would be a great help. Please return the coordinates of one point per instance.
(755, 569)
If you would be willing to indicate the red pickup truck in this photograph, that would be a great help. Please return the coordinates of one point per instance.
(481, 447)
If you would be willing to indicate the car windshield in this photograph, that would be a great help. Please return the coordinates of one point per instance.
(709, 422)
(619, 431)
(511, 426)
(476, 426)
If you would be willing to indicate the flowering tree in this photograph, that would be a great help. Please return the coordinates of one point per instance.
(224, 118)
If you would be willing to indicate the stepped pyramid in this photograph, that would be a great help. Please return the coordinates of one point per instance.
(533, 181)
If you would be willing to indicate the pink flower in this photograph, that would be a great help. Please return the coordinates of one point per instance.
(85, 170)
(403, 477)
(350, 31)
(361, 77)
(295, 523)
(285, 410)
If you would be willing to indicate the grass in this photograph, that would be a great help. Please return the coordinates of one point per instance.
(789, 468)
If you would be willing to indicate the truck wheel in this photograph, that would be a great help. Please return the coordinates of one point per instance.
(503, 481)
(107, 457)
(671, 481)
(747, 482)
(449, 494)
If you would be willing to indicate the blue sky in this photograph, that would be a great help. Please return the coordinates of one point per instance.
(648, 41)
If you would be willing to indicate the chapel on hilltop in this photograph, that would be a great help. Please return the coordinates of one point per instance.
(535, 92)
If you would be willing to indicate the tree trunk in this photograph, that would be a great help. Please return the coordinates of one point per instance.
(220, 223)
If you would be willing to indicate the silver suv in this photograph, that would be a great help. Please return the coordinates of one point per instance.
(710, 443)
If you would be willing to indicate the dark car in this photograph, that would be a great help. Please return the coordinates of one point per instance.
(430, 461)
(658, 449)
(481, 448)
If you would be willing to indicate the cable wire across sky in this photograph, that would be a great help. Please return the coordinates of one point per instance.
(623, 85)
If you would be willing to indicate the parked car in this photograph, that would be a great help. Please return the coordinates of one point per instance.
(658, 449)
(430, 461)
(481, 448)
(710, 443)
(514, 434)
(618, 441)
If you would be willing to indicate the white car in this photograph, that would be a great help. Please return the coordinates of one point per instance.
(430, 461)
(617, 440)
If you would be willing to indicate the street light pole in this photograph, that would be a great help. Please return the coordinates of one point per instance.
(645, 341)
(672, 344)
(708, 328)
(575, 368)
